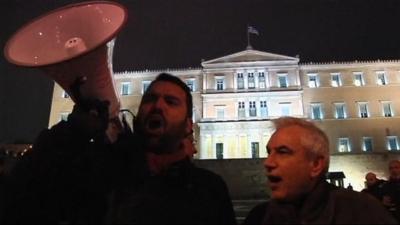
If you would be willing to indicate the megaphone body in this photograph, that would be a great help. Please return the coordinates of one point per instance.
(71, 43)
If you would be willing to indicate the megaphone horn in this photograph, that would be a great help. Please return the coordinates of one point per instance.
(71, 42)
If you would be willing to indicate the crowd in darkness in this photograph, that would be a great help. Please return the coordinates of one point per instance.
(386, 191)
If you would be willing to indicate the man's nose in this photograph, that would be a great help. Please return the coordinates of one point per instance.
(269, 162)
(159, 103)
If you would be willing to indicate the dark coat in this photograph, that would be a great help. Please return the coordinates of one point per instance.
(376, 189)
(184, 194)
(69, 178)
(392, 190)
(327, 204)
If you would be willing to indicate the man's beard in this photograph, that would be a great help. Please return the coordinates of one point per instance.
(166, 143)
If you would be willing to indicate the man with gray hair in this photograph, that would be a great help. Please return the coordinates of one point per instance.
(298, 159)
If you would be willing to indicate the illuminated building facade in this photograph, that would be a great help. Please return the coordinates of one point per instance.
(237, 95)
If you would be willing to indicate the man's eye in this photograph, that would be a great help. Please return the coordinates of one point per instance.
(284, 150)
(172, 101)
(149, 98)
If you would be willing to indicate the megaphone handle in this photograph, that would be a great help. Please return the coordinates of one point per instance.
(75, 89)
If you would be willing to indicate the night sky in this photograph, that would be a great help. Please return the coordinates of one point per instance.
(164, 34)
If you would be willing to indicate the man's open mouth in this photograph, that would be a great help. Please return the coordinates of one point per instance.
(155, 124)
(274, 179)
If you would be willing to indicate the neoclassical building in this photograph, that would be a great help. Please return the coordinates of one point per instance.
(236, 96)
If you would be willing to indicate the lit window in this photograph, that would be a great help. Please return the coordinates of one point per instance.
(261, 79)
(367, 144)
(240, 81)
(392, 143)
(126, 88)
(220, 112)
(263, 109)
(387, 109)
(252, 109)
(255, 150)
(191, 84)
(251, 81)
(313, 80)
(65, 95)
(363, 110)
(282, 79)
(64, 116)
(220, 83)
(194, 115)
(241, 110)
(358, 79)
(145, 85)
(336, 80)
(344, 145)
(219, 150)
(285, 108)
(340, 110)
(381, 78)
(316, 111)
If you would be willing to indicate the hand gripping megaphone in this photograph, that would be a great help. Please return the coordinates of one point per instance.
(71, 43)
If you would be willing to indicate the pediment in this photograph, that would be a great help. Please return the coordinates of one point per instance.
(250, 55)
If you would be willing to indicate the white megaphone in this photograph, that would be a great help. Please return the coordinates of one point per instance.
(74, 42)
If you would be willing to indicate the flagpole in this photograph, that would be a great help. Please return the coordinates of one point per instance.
(248, 36)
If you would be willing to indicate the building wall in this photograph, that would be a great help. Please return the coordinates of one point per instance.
(354, 126)
(239, 133)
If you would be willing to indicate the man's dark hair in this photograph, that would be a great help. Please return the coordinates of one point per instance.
(166, 77)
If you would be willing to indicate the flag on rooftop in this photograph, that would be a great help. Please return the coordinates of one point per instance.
(252, 30)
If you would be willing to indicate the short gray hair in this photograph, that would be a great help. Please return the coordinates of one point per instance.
(315, 141)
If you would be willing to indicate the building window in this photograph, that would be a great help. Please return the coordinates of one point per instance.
(363, 110)
(255, 150)
(65, 95)
(358, 79)
(64, 116)
(194, 115)
(344, 145)
(285, 108)
(387, 109)
(220, 112)
(126, 88)
(340, 110)
(191, 84)
(145, 85)
(316, 111)
(241, 110)
(282, 79)
(219, 150)
(313, 80)
(381, 78)
(336, 80)
(252, 109)
(392, 143)
(367, 144)
(220, 83)
(240, 81)
(263, 109)
(261, 79)
(251, 81)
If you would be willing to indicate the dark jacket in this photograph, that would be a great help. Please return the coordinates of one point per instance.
(184, 194)
(392, 190)
(327, 204)
(376, 189)
(69, 178)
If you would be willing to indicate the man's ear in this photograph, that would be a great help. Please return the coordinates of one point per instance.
(317, 166)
